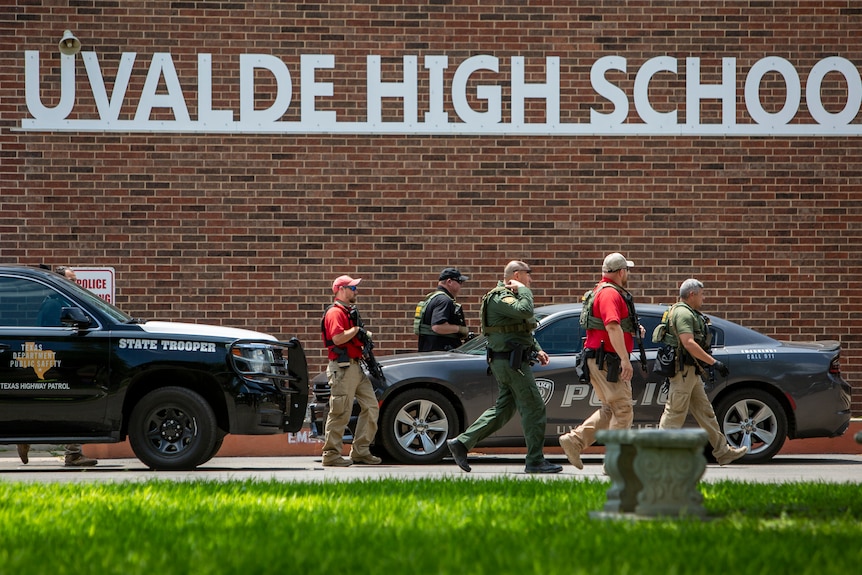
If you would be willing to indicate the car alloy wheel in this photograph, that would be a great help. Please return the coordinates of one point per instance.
(754, 419)
(416, 424)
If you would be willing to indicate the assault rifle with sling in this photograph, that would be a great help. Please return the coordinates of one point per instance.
(630, 302)
(368, 359)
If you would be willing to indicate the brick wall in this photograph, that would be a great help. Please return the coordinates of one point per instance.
(250, 230)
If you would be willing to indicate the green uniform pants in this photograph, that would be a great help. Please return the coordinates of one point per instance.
(517, 391)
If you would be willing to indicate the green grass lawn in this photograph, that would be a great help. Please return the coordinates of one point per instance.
(425, 527)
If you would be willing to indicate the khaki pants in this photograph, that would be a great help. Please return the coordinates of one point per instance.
(616, 411)
(687, 395)
(347, 383)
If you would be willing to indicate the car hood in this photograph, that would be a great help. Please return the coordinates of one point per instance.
(196, 329)
(412, 362)
(413, 358)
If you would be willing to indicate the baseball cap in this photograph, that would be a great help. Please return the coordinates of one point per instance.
(615, 262)
(452, 273)
(343, 281)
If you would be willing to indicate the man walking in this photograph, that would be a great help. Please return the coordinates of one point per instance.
(688, 331)
(610, 340)
(508, 320)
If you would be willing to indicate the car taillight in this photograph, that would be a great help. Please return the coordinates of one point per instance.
(835, 365)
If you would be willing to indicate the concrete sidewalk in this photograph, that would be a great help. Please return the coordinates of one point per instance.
(301, 445)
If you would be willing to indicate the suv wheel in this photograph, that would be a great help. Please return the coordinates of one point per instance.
(415, 425)
(173, 428)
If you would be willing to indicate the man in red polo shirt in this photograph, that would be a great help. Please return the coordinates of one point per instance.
(610, 331)
(344, 339)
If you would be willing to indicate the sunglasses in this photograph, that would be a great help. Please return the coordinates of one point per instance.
(351, 288)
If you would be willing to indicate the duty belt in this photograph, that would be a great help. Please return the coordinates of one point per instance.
(506, 354)
(592, 353)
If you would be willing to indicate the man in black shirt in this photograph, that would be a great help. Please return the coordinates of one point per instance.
(442, 326)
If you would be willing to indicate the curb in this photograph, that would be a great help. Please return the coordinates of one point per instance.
(302, 444)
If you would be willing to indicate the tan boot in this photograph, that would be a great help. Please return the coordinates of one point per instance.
(79, 460)
(572, 450)
(731, 455)
(366, 459)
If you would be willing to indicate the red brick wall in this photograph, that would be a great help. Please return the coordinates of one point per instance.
(250, 230)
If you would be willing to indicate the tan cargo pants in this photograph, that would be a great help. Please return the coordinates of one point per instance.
(688, 395)
(616, 411)
(347, 383)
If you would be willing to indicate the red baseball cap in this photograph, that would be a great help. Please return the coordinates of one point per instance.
(344, 281)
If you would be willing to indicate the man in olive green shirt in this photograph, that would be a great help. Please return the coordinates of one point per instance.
(508, 321)
(688, 331)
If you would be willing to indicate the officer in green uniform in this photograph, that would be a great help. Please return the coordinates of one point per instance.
(508, 321)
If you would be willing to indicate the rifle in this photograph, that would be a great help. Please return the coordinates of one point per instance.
(637, 334)
(370, 362)
(368, 359)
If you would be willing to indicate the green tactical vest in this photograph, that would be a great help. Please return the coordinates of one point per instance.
(420, 328)
(590, 321)
(665, 333)
(523, 327)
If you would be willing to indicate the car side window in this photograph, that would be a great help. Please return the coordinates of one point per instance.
(26, 303)
(560, 337)
(717, 336)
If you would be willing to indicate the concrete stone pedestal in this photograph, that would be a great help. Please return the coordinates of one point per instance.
(620, 454)
(654, 472)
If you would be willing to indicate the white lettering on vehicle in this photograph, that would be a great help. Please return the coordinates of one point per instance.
(759, 354)
(173, 345)
(167, 345)
(581, 391)
(33, 385)
(138, 344)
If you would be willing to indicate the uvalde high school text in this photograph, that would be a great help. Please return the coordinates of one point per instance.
(252, 119)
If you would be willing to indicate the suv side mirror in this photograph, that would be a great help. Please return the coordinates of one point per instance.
(74, 317)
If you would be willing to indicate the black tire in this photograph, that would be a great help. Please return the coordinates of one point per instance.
(415, 425)
(173, 428)
(755, 419)
(216, 446)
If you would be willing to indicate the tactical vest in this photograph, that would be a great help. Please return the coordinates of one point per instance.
(665, 333)
(526, 326)
(702, 334)
(420, 328)
(328, 342)
(590, 321)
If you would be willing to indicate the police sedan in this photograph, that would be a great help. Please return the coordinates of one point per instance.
(776, 390)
